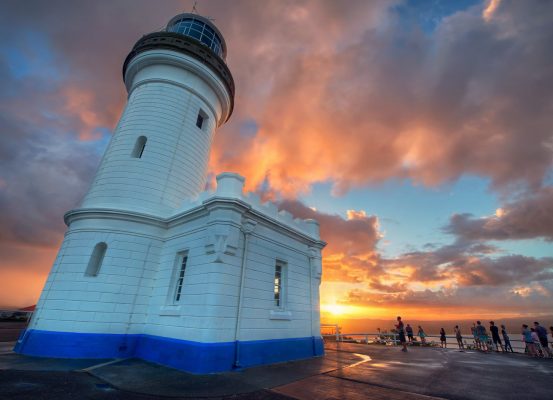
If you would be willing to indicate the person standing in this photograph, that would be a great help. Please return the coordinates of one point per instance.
(443, 339)
(495, 337)
(475, 336)
(422, 335)
(482, 335)
(409, 331)
(401, 332)
(542, 337)
(527, 338)
(506, 339)
(459, 337)
(537, 343)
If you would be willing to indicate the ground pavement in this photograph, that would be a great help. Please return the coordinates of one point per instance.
(348, 371)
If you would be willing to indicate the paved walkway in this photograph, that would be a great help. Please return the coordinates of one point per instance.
(348, 371)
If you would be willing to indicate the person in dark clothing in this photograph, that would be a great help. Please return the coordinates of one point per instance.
(443, 338)
(506, 339)
(542, 336)
(401, 333)
(409, 331)
(495, 337)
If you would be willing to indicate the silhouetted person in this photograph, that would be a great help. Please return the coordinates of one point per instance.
(506, 339)
(482, 335)
(537, 343)
(528, 340)
(409, 331)
(495, 337)
(422, 335)
(459, 337)
(443, 341)
(474, 333)
(542, 337)
(401, 333)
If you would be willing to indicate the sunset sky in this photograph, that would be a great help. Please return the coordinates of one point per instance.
(419, 134)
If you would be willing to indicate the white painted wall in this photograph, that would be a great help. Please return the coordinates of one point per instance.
(167, 90)
(134, 291)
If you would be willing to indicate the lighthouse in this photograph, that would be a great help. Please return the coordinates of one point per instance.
(153, 266)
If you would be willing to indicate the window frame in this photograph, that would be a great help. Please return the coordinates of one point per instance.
(280, 304)
(179, 276)
(203, 115)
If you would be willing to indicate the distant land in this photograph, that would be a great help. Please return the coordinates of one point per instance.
(16, 308)
(513, 325)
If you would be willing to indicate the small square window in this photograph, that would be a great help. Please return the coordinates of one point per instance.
(201, 119)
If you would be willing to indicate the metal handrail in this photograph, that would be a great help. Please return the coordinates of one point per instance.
(391, 337)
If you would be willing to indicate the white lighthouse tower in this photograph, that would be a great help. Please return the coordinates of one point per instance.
(153, 267)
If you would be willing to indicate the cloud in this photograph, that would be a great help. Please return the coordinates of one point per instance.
(511, 269)
(325, 93)
(44, 167)
(350, 254)
(355, 236)
(464, 275)
(530, 217)
(489, 11)
(340, 94)
(385, 102)
(465, 300)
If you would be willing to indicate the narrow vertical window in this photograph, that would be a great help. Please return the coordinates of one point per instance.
(139, 147)
(180, 278)
(95, 262)
(201, 119)
(278, 284)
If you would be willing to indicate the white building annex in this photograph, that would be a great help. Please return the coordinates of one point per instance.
(151, 266)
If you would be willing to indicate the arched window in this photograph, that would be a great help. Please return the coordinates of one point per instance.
(139, 147)
(96, 259)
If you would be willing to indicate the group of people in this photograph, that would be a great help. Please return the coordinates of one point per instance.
(402, 330)
(482, 339)
(535, 339)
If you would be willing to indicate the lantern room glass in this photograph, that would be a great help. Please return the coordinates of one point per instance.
(200, 31)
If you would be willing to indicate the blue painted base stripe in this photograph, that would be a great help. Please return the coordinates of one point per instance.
(195, 357)
(199, 358)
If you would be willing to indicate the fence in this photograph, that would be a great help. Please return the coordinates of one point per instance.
(392, 339)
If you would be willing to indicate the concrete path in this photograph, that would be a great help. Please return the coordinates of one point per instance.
(452, 374)
(331, 388)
